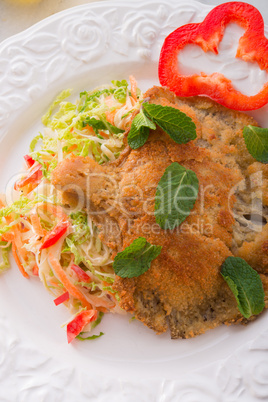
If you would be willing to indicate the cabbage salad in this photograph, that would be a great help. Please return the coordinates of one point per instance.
(46, 238)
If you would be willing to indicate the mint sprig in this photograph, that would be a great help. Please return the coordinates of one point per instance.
(135, 259)
(256, 139)
(97, 125)
(175, 197)
(139, 131)
(246, 285)
(175, 123)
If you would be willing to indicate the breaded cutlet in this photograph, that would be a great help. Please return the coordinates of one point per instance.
(183, 290)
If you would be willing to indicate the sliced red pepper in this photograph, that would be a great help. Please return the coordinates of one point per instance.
(79, 322)
(56, 233)
(29, 161)
(62, 298)
(82, 276)
(253, 46)
(33, 176)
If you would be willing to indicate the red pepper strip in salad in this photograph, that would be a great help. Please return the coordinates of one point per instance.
(33, 176)
(253, 47)
(100, 304)
(82, 276)
(62, 298)
(29, 161)
(79, 322)
(63, 277)
(56, 233)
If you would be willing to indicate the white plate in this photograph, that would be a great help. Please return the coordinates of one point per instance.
(82, 48)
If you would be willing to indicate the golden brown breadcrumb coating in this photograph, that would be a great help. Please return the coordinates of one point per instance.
(183, 289)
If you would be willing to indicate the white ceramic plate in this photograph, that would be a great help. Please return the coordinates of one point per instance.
(81, 48)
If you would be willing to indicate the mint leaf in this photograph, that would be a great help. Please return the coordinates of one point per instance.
(175, 123)
(246, 285)
(175, 197)
(139, 131)
(256, 139)
(94, 123)
(100, 125)
(114, 129)
(136, 258)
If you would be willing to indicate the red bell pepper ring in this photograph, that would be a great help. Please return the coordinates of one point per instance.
(82, 276)
(79, 322)
(253, 46)
(62, 298)
(56, 233)
(29, 161)
(33, 176)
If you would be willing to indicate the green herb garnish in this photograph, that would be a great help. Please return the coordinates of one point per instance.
(256, 139)
(246, 285)
(139, 131)
(175, 123)
(136, 258)
(175, 197)
(101, 125)
(96, 124)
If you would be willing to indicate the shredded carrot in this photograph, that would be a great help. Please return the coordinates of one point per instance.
(89, 128)
(73, 147)
(100, 303)
(133, 87)
(2, 205)
(36, 222)
(61, 274)
(29, 188)
(102, 309)
(56, 284)
(18, 262)
(109, 101)
(55, 210)
(36, 270)
(9, 236)
(104, 135)
(110, 116)
(18, 242)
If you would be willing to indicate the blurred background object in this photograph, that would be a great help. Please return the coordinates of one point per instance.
(23, 2)
(17, 15)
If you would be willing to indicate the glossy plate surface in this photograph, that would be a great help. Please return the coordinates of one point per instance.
(81, 48)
